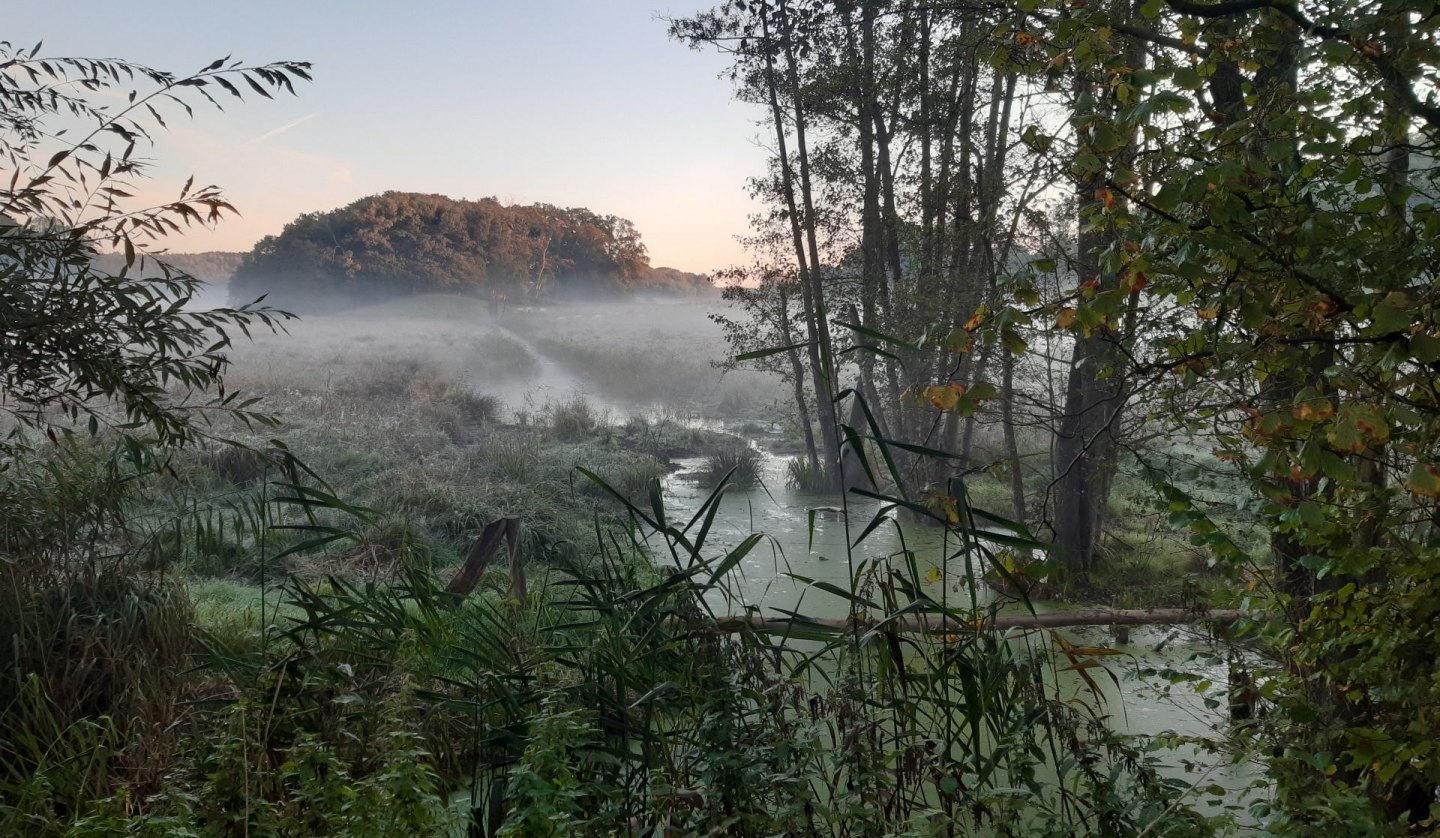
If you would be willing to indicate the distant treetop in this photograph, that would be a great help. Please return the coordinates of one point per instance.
(399, 243)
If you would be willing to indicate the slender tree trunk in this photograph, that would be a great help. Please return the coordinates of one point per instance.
(823, 358)
(797, 376)
(1087, 447)
(1012, 445)
(807, 259)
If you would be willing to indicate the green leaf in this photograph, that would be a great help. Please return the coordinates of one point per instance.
(1187, 78)
(1425, 348)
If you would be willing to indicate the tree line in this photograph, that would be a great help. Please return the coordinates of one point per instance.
(400, 243)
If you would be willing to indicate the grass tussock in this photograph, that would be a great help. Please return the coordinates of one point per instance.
(573, 419)
(803, 477)
(738, 462)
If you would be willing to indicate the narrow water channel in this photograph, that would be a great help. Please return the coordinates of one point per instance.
(1134, 701)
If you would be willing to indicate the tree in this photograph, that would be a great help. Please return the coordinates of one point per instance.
(1279, 248)
(885, 245)
(103, 375)
(82, 348)
(401, 243)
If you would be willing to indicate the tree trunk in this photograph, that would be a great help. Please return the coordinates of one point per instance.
(797, 376)
(822, 357)
(807, 259)
(1012, 445)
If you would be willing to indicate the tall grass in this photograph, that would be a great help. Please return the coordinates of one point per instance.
(609, 702)
(738, 464)
(801, 476)
(92, 665)
(352, 695)
(573, 419)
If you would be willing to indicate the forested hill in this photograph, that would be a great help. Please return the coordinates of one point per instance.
(400, 243)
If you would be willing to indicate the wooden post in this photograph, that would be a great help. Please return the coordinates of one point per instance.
(502, 531)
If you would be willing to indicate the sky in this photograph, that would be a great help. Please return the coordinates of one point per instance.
(568, 102)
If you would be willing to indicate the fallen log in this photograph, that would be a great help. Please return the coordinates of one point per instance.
(1001, 622)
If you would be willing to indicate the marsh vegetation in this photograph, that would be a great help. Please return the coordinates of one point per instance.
(514, 533)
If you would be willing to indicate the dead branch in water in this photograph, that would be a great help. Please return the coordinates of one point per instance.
(940, 623)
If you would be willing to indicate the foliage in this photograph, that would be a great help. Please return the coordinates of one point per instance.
(573, 419)
(81, 346)
(609, 700)
(803, 477)
(104, 375)
(1267, 175)
(93, 664)
(1250, 268)
(399, 243)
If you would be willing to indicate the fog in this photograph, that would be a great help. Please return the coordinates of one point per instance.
(647, 357)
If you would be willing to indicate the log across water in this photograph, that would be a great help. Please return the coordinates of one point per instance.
(938, 623)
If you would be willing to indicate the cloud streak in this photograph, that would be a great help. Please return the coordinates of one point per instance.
(275, 132)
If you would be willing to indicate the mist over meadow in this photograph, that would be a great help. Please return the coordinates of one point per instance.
(1050, 445)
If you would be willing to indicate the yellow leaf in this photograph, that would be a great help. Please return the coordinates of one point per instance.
(951, 509)
(1065, 318)
(1424, 480)
(943, 396)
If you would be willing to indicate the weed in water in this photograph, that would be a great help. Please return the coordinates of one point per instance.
(801, 476)
(741, 462)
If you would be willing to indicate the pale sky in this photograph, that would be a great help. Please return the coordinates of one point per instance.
(566, 102)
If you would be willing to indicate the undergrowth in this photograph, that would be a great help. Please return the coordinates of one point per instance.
(320, 679)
